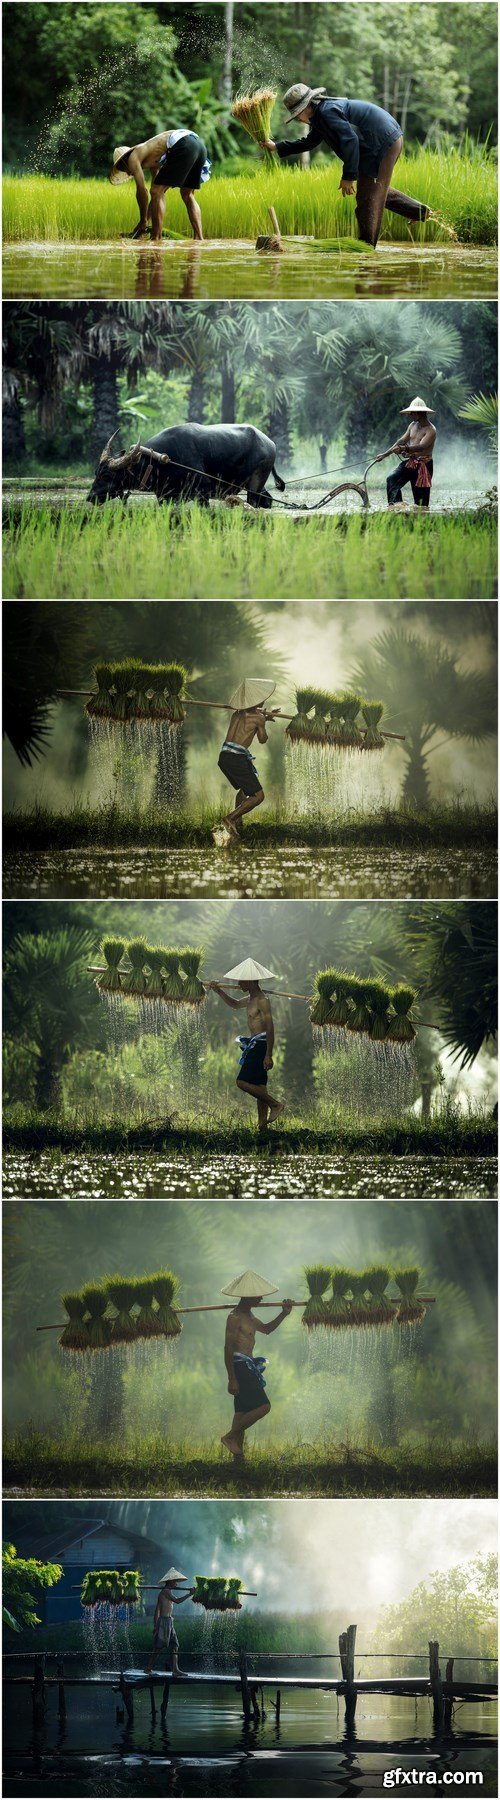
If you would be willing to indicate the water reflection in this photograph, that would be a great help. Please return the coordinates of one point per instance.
(155, 1175)
(290, 872)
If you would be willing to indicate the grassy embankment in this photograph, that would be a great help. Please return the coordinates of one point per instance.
(33, 1463)
(230, 554)
(451, 1135)
(461, 185)
(114, 826)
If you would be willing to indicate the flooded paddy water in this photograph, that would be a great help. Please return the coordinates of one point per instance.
(276, 1175)
(291, 872)
(229, 269)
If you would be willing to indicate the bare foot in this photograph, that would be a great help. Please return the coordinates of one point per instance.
(274, 1111)
(230, 826)
(232, 1444)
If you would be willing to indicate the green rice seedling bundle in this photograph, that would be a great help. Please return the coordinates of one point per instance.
(75, 1336)
(218, 1593)
(318, 725)
(401, 1030)
(254, 112)
(100, 705)
(379, 1311)
(372, 713)
(112, 949)
(173, 985)
(121, 1293)
(147, 1323)
(156, 963)
(340, 1008)
(193, 990)
(410, 1311)
(95, 1300)
(175, 682)
(324, 983)
(379, 999)
(317, 1309)
(350, 734)
(358, 1306)
(135, 981)
(111, 1587)
(360, 1019)
(339, 1306)
(131, 1580)
(298, 728)
(123, 679)
(165, 1289)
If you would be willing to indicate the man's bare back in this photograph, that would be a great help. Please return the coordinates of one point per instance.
(245, 726)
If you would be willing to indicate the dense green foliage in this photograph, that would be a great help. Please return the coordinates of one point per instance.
(23, 1580)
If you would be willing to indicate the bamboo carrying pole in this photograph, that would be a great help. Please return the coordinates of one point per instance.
(215, 705)
(264, 1305)
(278, 993)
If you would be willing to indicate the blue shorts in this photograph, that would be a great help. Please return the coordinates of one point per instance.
(249, 1372)
(251, 1067)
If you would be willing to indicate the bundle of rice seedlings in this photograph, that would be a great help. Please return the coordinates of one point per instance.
(166, 1289)
(124, 675)
(175, 683)
(121, 1293)
(376, 1279)
(155, 957)
(137, 952)
(75, 1336)
(360, 1017)
(147, 1323)
(324, 983)
(318, 725)
(351, 736)
(410, 1311)
(193, 989)
(340, 1009)
(234, 1587)
(217, 1593)
(254, 112)
(316, 1310)
(298, 728)
(173, 985)
(100, 705)
(95, 1299)
(358, 1307)
(401, 1030)
(372, 713)
(378, 998)
(339, 1305)
(334, 726)
(131, 1585)
(112, 949)
(89, 1590)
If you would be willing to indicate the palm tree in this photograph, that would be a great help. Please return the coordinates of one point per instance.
(50, 1001)
(365, 365)
(482, 410)
(45, 647)
(456, 948)
(427, 697)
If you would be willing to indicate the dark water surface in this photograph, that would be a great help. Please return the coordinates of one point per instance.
(287, 872)
(54, 1174)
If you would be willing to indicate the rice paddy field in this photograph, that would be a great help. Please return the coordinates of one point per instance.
(53, 551)
(62, 237)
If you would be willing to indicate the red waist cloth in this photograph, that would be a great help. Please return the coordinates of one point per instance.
(424, 477)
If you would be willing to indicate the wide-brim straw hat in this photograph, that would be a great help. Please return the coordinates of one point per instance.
(173, 1575)
(250, 970)
(298, 96)
(117, 175)
(417, 405)
(249, 1285)
(251, 692)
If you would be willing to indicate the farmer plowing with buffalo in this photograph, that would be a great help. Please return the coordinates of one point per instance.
(415, 448)
(175, 159)
(192, 462)
(368, 141)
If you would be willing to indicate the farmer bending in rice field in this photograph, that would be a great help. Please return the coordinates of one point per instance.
(246, 1371)
(164, 1632)
(416, 447)
(177, 159)
(248, 721)
(257, 1049)
(368, 141)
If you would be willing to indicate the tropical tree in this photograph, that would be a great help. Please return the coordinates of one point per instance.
(456, 951)
(49, 1000)
(428, 697)
(23, 1578)
(457, 1606)
(482, 410)
(45, 647)
(370, 364)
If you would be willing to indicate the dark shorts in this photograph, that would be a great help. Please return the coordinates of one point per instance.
(252, 1066)
(182, 165)
(240, 771)
(252, 1389)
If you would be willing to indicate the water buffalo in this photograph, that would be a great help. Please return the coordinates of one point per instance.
(199, 462)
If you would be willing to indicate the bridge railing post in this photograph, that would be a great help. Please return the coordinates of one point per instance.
(436, 1685)
(347, 1643)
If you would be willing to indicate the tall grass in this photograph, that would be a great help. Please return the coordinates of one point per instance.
(459, 184)
(114, 824)
(227, 554)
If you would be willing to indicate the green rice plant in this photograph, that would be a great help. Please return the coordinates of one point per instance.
(340, 1009)
(89, 1589)
(95, 1299)
(112, 949)
(131, 1584)
(254, 112)
(165, 1289)
(324, 983)
(339, 1305)
(217, 1593)
(100, 705)
(193, 989)
(136, 980)
(102, 1587)
(175, 682)
(359, 1308)
(401, 1030)
(376, 1280)
(121, 1293)
(379, 998)
(173, 985)
(317, 1309)
(318, 725)
(234, 1587)
(298, 728)
(147, 1323)
(75, 1336)
(372, 713)
(124, 675)
(156, 955)
(360, 1018)
(351, 736)
(410, 1311)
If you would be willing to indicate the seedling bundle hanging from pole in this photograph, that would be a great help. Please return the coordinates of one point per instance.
(347, 1004)
(332, 721)
(135, 690)
(111, 1588)
(137, 970)
(218, 1593)
(121, 1310)
(347, 1298)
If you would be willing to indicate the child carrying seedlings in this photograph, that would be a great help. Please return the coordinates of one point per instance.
(416, 447)
(177, 159)
(164, 1632)
(256, 1049)
(248, 720)
(246, 1371)
(366, 138)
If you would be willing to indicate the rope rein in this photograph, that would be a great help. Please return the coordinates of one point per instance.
(156, 456)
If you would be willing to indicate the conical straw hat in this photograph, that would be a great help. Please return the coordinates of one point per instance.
(117, 175)
(249, 1285)
(250, 970)
(251, 693)
(173, 1575)
(417, 405)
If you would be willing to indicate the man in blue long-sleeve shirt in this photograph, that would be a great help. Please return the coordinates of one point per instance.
(368, 142)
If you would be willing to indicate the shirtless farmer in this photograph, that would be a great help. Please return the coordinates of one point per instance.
(177, 159)
(164, 1632)
(245, 1371)
(257, 1048)
(248, 721)
(416, 447)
